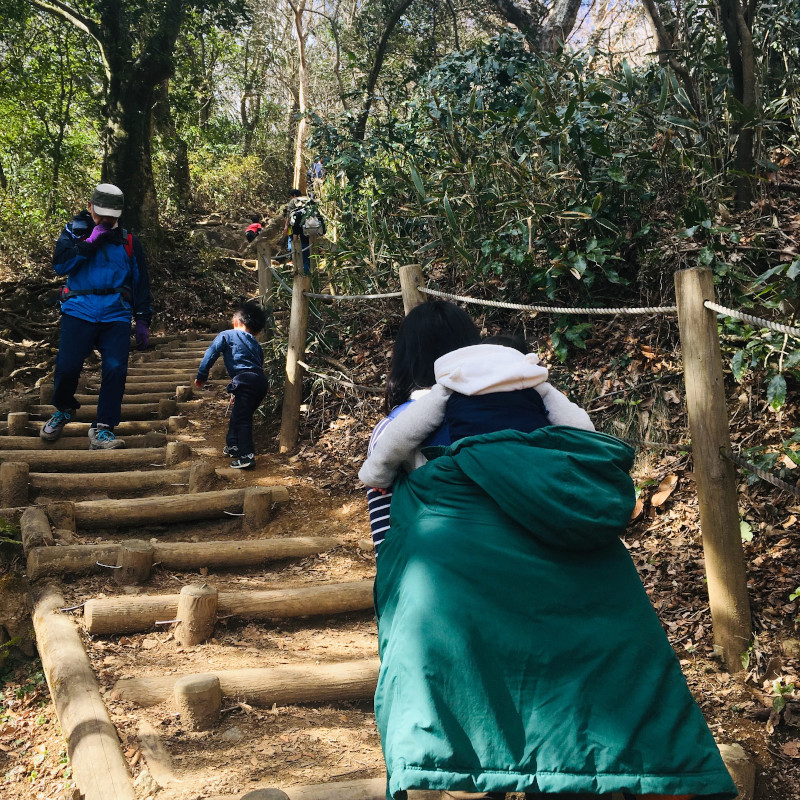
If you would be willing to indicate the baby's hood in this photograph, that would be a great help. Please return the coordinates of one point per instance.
(488, 368)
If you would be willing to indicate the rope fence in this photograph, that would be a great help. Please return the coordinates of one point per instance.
(765, 476)
(547, 309)
(757, 322)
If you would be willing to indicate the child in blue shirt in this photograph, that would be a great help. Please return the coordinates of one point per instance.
(244, 361)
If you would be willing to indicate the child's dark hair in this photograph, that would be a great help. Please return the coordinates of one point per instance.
(255, 218)
(295, 193)
(512, 340)
(429, 331)
(251, 315)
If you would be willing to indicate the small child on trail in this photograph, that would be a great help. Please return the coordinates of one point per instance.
(254, 229)
(244, 361)
(496, 385)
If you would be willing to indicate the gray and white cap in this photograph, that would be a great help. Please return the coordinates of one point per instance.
(107, 200)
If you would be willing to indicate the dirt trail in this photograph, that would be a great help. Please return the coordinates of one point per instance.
(252, 745)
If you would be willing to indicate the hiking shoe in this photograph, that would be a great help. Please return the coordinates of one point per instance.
(103, 439)
(244, 462)
(230, 451)
(52, 429)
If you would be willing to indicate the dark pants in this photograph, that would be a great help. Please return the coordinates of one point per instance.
(248, 389)
(306, 248)
(78, 339)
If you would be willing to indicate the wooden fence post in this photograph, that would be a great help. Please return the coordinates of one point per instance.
(714, 473)
(411, 277)
(298, 326)
(264, 261)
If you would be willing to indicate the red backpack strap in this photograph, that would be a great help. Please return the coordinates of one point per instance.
(128, 243)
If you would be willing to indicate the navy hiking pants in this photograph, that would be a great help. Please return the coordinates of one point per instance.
(78, 339)
(248, 389)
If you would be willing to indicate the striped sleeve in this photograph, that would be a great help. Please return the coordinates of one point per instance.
(378, 500)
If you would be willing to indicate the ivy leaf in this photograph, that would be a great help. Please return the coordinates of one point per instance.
(746, 530)
(738, 365)
(776, 392)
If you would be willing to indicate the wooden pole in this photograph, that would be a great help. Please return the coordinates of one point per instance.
(134, 561)
(198, 699)
(298, 326)
(46, 392)
(99, 769)
(714, 473)
(61, 514)
(257, 509)
(18, 423)
(136, 613)
(202, 477)
(264, 261)
(14, 477)
(197, 614)
(410, 278)
(177, 453)
(71, 559)
(282, 685)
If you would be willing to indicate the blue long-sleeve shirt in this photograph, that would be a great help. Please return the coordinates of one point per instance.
(240, 351)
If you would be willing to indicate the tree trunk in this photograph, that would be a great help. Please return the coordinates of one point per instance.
(558, 25)
(178, 164)
(299, 176)
(741, 55)
(377, 64)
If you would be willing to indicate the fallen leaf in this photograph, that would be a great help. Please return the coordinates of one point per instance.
(665, 489)
(791, 749)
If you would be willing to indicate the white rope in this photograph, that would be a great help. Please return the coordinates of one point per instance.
(758, 322)
(339, 297)
(549, 309)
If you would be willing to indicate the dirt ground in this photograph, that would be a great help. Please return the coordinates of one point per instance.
(758, 708)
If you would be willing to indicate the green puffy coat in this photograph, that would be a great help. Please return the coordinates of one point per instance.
(518, 648)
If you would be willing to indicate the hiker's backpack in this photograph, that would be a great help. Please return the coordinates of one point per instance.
(312, 222)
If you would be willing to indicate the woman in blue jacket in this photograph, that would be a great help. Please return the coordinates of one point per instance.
(107, 284)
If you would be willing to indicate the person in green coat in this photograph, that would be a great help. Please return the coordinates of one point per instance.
(519, 650)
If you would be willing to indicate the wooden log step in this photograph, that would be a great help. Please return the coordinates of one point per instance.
(124, 429)
(87, 460)
(131, 398)
(145, 385)
(129, 411)
(189, 364)
(134, 613)
(158, 373)
(75, 558)
(138, 511)
(282, 685)
(129, 481)
(99, 768)
(152, 439)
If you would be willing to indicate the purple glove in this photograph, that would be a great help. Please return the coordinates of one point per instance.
(97, 233)
(142, 335)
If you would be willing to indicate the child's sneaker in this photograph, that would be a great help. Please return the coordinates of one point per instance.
(52, 429)
(244, 462)
(103, 439)
(230, 451)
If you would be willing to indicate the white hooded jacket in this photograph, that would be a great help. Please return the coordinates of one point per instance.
(475, 370)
